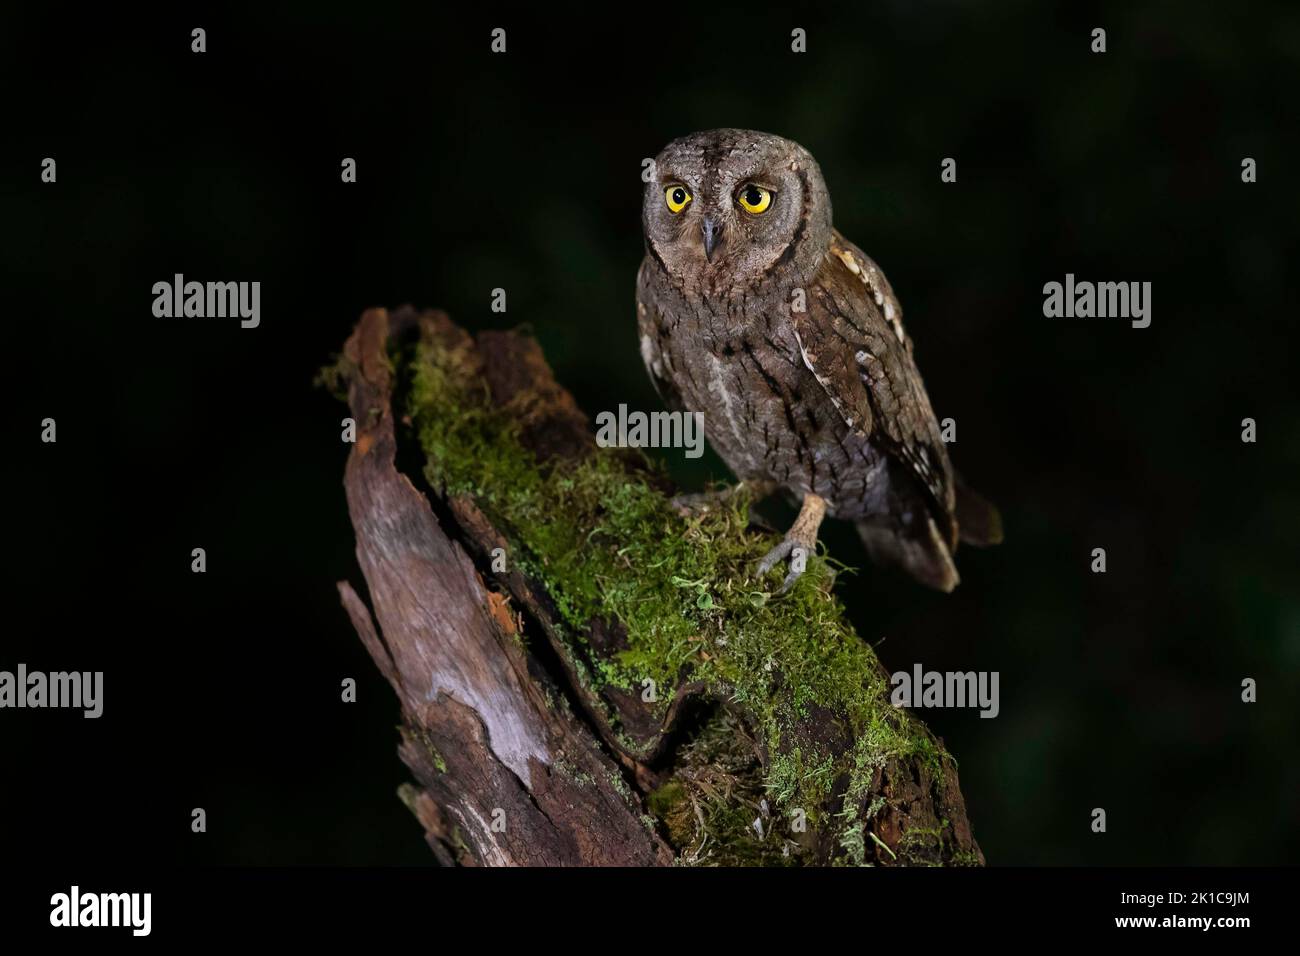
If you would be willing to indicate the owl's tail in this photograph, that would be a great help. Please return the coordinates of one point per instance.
(924, 556)
(978, 521)
(926, 553)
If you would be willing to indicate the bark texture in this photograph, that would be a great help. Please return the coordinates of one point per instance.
(520, 753)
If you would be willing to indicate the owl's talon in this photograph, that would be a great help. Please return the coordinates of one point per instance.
(801, 536)
(772, 557)
(783, 550)
(788, 583)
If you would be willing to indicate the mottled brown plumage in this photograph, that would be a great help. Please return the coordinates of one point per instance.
(752, 309)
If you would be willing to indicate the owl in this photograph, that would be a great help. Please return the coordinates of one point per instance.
(754, 310)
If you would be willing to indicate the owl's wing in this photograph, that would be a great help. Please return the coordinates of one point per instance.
(852, 339)
(652, 329)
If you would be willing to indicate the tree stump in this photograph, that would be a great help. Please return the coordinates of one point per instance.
(586, 674)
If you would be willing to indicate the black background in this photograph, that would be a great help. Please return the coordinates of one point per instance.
(521, 171)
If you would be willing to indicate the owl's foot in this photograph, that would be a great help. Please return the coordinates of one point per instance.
(798, 544)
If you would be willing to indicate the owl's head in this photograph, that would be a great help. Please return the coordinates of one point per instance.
(731, 207)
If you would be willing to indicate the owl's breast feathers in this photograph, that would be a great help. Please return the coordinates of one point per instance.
(652, 329)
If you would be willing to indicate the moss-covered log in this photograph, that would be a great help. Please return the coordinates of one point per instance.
(589, 675)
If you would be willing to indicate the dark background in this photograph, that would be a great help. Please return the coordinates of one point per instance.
(522, 171)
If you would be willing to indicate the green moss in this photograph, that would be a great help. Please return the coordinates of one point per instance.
(715, 809)
(931, 846)
(607, 544)
(334, 377)
(671, 805)
(854, 843)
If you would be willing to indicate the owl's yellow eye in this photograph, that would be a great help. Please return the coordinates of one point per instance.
(754, 199)
(677, 197)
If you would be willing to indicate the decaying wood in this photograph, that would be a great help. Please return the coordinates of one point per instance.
(516, 760)
(479, 735)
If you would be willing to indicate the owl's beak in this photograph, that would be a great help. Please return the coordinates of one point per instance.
(712, 236)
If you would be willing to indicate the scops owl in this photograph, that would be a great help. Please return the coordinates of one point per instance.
(754, 310)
